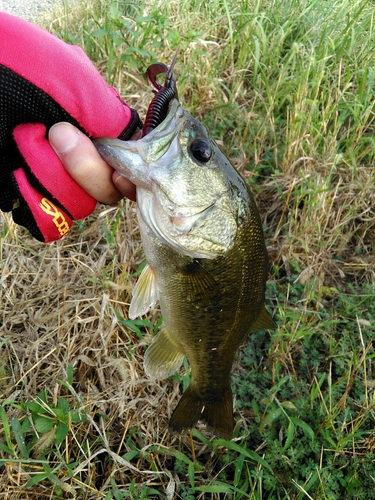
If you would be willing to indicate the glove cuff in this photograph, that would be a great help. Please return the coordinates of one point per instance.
(134, 124)
(38, 214)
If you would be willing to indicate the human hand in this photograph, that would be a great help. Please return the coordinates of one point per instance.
(44, 81)
(83, 162)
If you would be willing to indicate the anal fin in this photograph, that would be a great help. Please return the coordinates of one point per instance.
(263, 321)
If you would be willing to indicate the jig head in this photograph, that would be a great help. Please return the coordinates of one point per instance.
(158, 107)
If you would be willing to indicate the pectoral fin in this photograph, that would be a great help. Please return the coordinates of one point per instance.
(163, 357)
(263, 321)
(199, 282)
(145, 293)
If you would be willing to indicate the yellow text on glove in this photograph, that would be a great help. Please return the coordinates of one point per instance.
(58, 218)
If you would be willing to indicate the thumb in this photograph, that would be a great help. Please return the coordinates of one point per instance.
(82, 161)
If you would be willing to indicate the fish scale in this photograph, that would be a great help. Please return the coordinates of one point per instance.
(207, 261)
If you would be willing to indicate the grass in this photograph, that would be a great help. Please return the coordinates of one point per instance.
(287, 89)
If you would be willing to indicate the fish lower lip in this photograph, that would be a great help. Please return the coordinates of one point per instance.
(185, 223)
(176, 212)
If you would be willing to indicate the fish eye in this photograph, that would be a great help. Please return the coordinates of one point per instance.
(201, 150)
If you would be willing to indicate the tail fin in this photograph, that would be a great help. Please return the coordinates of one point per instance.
(217, 414)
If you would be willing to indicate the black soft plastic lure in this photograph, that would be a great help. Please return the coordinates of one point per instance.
(158, 107)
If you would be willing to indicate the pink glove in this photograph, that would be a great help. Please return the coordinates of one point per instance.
(44, 81)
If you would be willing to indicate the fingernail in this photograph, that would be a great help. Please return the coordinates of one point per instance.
(120, 181)
(125, 187)
(116, 177)
(63, 137)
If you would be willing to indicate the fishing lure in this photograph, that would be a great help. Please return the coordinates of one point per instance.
(158, 107)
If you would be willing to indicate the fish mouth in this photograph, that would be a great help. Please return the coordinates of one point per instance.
(181, 218)
(175, 211)
(184, 223)
(174, 225)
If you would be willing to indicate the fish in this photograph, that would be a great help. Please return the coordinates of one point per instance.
(206, 261)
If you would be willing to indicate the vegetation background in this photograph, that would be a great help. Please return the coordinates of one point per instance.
(287, 89)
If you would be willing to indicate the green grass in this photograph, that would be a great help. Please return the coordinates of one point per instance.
(287, 89)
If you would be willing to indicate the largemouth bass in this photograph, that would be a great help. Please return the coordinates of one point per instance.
(207, 261)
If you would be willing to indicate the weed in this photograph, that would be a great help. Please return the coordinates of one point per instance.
(287, 90)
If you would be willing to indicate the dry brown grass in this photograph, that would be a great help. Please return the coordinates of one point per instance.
(322, 223)
(58, 306)
(57, 309)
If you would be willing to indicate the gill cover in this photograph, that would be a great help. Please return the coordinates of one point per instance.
(182, 189)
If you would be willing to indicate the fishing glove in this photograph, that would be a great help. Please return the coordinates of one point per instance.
(44, 81)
